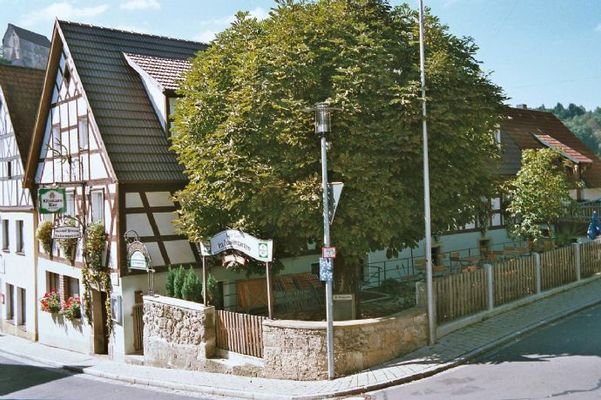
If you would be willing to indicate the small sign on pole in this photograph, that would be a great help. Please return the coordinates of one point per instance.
(328, 252)
(326, 269)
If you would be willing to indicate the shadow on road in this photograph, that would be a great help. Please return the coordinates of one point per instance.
(15, 377)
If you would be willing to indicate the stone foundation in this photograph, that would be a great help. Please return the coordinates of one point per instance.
(297, 349)
(178, 333)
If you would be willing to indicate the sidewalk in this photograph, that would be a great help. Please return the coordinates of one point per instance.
(451, 350)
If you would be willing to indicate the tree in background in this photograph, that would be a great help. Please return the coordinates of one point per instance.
(538, 195)
(586, 125)
(253, 160)
(2, 59)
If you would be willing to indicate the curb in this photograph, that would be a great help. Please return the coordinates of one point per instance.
(223, 391)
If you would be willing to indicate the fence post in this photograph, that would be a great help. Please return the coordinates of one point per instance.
(577, 259)
(538, 272)
(490, 300)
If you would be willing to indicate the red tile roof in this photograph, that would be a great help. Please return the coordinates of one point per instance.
(565, 151)
(166, 71)
(518, 132)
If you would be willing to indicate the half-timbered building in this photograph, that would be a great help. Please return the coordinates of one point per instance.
(102, 135)
(20, 90)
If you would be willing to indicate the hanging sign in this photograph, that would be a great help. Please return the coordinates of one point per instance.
(66, 232)
(137, 253)
(52, 200)
(232, 239)
(138, 260)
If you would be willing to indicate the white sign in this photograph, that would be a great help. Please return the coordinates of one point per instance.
(52, 200)
(326, 270)
(328, 252)
(342, 297)
(232, 239)
(137, 260)
(204, 248)
(334, 192)
(66, 232)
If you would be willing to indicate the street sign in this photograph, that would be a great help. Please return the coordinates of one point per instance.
(52, 200)
(66, 232)
(233, 239)
(328, 252)
(334, 191)
(326, 269)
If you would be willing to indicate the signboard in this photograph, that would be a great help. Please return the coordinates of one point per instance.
(334, 192)
(326, 270)
(204, 248)
(137, 260)
(342, 297)
(66, 232)
(52, 201)
(232, 239)
(328, 252)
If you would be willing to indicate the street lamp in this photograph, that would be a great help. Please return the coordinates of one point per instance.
(322, 127)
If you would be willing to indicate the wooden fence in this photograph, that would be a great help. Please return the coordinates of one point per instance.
(240, 333)
(558, 267)
(459, 295)
(470, 292)
(590, 259)
(137, 314)
(514, 279)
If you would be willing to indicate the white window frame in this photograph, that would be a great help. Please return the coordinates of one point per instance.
(97, 205)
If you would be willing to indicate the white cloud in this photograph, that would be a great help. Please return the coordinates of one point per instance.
(62, 10)
(217, 25)
(141, 5)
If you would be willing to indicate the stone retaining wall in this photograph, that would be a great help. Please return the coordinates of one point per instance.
(177, 333)
(297, 349)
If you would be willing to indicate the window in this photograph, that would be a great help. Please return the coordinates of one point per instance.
(71, 286)
(19, 236)
(83, 132)
(9, 169)
(53, 282)
(10, 301)
(56, 138)
(70, 207)
(97, 205)
(5, 235)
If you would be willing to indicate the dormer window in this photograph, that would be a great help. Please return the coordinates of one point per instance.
(67, 76)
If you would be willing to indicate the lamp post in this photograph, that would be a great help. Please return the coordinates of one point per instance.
(322, 127)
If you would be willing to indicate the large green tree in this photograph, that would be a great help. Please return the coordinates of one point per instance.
(538, 195)
(248, 146)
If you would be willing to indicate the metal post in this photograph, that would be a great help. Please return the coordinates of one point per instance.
(427, 218)
(205, 289)
(326, 243)
(269, 293)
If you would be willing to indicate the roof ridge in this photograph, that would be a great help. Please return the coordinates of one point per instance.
(130, 32)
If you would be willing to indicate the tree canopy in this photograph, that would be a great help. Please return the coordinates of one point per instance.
(247, 142)
(538, 195)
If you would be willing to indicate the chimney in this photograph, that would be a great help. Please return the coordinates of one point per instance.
(522, 106)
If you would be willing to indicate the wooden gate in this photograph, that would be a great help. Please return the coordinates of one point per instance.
(137, 314)
(241, 333)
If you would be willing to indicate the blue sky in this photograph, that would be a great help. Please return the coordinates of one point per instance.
(539, 51)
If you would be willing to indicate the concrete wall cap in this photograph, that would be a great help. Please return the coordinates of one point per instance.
(190, 305)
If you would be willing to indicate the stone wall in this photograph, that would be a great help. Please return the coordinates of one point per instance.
(297, 349)
(177, 333)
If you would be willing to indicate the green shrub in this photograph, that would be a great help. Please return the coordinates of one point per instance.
(44, 235)
(178, 282)
(169, 285)
(192, 287)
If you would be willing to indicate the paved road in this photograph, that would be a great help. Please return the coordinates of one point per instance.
(27, 380)
(561, 360)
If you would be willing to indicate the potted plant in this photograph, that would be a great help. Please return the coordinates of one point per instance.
(44, 235)
(51, 302)
(72, 308)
